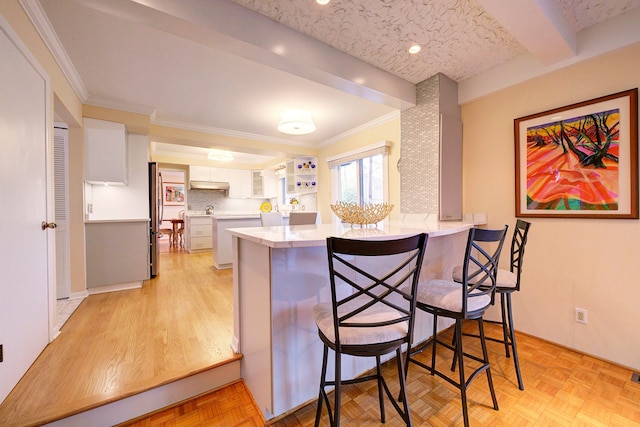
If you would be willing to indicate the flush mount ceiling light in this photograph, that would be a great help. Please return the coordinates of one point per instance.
(415, 48)
(220, 155)
(322, 2)
(296, 122)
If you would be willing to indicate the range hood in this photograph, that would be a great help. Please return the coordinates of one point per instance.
(209, 185)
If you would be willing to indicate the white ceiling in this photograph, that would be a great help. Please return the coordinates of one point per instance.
(232, 67)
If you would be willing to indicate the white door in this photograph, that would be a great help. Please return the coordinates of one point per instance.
(25, 294)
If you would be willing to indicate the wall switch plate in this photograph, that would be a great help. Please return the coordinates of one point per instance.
(581, 315)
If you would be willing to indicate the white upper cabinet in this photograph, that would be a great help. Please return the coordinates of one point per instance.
(270, 183)
(257, 184)
(105, 152)
(239, 183)
(208, 173)
(199, 173)
(264, 184)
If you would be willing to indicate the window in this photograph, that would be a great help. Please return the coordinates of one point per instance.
(361, 176)
(361, 181)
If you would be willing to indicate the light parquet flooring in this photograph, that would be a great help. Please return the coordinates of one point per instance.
(562, 388)
(121, 343)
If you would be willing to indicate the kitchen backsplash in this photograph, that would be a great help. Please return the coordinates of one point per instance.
(197, 200)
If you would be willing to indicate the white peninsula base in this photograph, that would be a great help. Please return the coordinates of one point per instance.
(280, 273)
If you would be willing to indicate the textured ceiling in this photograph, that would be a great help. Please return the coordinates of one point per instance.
(231, 67)
(459, 38)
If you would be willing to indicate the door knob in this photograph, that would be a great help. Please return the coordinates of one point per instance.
(46, 225)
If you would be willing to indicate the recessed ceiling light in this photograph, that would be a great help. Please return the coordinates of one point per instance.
(322, 2)
(415, 48)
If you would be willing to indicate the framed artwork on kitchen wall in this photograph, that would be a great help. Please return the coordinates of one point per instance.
(173, 193)
(579, 161)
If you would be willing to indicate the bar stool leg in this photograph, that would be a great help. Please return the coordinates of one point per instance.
(463, 383)
(321, 394)
(485, 356)
(512, 337)
(379, 374)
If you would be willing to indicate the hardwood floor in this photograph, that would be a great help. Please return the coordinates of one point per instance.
(124, 342)
(121, 343)
(562, 388)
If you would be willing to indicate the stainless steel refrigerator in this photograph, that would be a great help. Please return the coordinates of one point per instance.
(156, 211)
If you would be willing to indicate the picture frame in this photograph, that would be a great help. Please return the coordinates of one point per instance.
(173, 193)
(580, 160)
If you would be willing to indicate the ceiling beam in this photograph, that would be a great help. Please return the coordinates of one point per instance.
(234, 29)
(538, 25)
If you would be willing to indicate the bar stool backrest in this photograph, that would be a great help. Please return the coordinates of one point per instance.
(480, 268)
(355, 291)
(517, 248)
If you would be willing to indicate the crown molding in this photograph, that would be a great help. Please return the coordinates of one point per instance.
(355, 131)
(39, 19)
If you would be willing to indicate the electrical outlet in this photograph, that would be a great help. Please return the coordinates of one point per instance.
(581, 315)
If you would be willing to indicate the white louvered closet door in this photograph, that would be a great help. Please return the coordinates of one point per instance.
(61, 196)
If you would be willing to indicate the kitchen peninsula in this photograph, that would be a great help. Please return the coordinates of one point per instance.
(280, 273)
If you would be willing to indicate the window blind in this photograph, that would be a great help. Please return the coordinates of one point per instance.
(368, 151)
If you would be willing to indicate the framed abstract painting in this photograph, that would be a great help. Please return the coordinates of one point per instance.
(579, 161)
(173, 194)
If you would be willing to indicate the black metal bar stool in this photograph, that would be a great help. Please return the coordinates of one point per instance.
(371, 313)
(467, 300)
(508, 282)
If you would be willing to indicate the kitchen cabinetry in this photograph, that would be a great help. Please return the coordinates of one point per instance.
(117, 253)
(105, 152)
(264, 184)
(301, 175)
(257, 184)
(198, 233)
(239, 183)
(207, 173)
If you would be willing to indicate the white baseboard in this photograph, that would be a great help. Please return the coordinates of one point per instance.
(78, 295)
(114, 288)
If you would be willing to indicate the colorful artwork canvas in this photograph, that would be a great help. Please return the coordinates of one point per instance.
(573, 164)
(173, 194)
(580, 160)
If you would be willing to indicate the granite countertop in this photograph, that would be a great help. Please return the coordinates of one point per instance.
(316, 235)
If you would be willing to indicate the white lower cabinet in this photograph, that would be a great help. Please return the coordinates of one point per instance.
(198, 236)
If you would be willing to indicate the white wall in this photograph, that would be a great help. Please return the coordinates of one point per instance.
(129, 201)
(586, 263)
